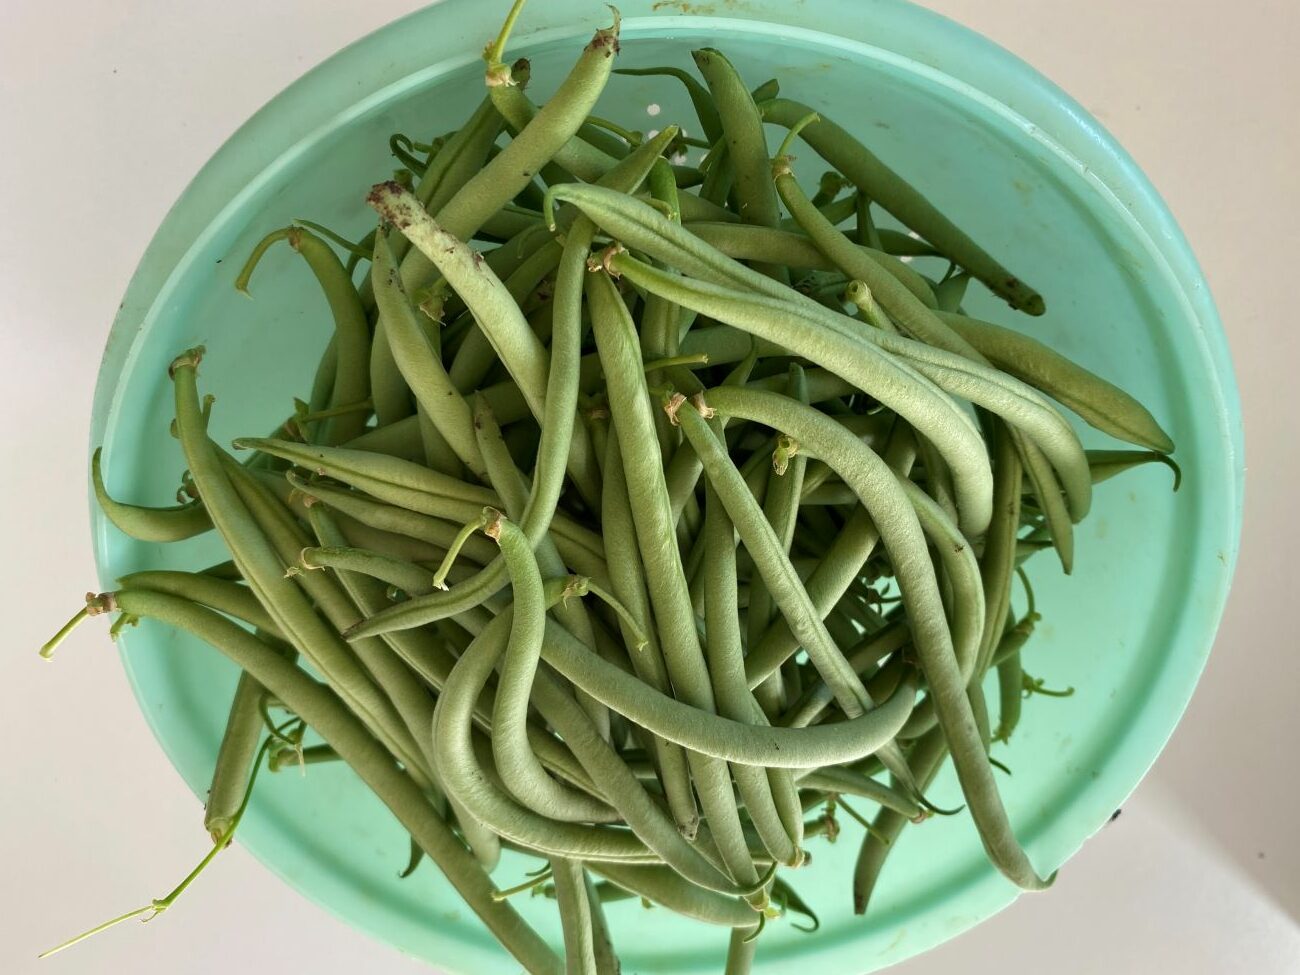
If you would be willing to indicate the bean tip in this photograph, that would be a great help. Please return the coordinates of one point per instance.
(190, 358)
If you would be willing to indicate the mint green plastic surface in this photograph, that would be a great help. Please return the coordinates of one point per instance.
(1010, 157)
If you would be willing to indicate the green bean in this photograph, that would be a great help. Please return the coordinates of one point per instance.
(1010, 691)
(223, 595)
(325, 713)
(795, 250)
(406, 576)
(661, 885)
(1103, 405)
(537, 142)
(892, 192)
(575, 916)
(709, 734)
(742, 127)
(419, 363)
(901, 533)
(963, 574)
(352, 331)
(1047, 490)
(373, 472)
(629, 586)
(725, 655)
(239, 746)
(781, 507)
(148, 524)
(839, 780)
(390, 518)
(513, 488)
(705, 111)
(997, 563)
(519, 767)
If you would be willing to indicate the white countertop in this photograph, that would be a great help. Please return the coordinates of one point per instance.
(99, 132)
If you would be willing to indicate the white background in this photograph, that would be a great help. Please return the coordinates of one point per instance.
(108, 108)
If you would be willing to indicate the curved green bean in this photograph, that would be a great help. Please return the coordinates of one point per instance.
(148, 524)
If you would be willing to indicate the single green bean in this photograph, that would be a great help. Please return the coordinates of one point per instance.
(148, 524)
(661, 885)
(725, 654)
(1101, 404)
(742, 127)
(925, 759)
(796, 250)
(419, 363)
(519, 767)
(351, 329)
(575, 916)
(628, 581)
(709, 734)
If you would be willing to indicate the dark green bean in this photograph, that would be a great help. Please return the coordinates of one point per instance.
(892, 192)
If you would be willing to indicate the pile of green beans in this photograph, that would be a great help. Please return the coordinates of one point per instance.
(645, 512)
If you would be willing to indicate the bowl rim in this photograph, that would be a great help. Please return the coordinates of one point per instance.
(972, 63)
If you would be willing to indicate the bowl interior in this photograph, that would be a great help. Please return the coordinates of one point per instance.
(1005, 154)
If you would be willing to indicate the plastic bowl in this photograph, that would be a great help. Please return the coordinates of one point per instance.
(1004, 152)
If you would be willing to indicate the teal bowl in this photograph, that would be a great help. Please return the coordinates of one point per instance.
(1003, 151)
